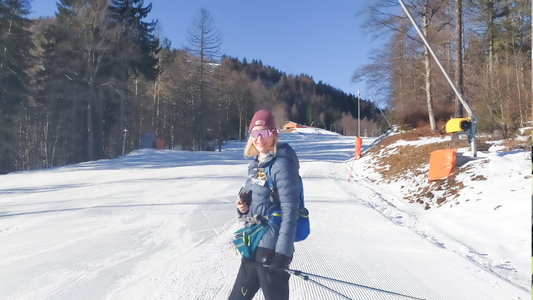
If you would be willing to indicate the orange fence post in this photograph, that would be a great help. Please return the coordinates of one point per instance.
(357, 153)
(358, 142)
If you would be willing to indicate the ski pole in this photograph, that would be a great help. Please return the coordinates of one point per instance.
(305, 276)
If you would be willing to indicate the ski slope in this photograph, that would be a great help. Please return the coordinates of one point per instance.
(158, 224)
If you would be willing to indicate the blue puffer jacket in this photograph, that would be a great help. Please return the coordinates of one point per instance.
(285, 176)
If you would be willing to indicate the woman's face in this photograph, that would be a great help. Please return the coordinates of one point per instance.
(262, 138)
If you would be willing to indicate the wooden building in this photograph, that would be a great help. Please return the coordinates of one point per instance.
(291, 125)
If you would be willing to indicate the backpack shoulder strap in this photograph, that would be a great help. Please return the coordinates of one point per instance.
(273, 187)
(269, 177)
(273, 192)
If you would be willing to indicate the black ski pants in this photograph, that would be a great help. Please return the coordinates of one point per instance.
(252, 276)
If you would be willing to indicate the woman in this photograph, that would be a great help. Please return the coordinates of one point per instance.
(276, 247)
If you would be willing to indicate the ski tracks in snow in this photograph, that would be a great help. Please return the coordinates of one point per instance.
(196, 269)
(397, 212)
(474, 268)
(358, 234)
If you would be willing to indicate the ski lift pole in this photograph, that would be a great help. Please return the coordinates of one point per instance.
(472, 134)
(305, 276)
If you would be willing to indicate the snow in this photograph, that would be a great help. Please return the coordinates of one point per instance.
(314, 130)
(158, 224)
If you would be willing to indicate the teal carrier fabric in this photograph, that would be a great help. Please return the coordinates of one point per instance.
(303, 229)
(247, 239)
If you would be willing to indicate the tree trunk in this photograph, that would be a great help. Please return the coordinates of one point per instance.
(5, 48)
(155, 122)
(490, 34)
(240, 125)
(73, 138)
(46, 140)
(518, 89)
(427, 63)
(90, 138)
(121, 114)
(99, 134)
(139, 110)
(458, 108)
(121, 122)
(173, 125)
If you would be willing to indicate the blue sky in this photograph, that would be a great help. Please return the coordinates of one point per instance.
(323, 39)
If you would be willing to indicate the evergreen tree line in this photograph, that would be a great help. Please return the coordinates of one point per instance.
(90, 82)
(484, 45)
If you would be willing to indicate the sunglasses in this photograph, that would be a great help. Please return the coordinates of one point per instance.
(264, 133)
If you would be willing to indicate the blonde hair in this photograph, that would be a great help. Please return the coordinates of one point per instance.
(251, 151)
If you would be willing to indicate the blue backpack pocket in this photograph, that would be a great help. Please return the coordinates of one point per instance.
(303, 228)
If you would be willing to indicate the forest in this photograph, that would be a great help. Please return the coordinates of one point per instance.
(91, 81)
(483, 45)
(94, 79)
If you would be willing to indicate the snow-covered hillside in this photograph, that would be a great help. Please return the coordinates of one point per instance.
(484, 216)
(158, 224)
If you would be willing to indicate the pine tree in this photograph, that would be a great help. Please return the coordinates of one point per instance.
(137, 51)
(92, 37)
(130, 14)
(60, 99)
(15, 47)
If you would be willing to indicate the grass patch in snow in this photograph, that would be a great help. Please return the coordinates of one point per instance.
(517, 144)
(408, 164)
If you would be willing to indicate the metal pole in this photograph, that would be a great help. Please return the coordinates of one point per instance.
(470, 112)
(306, 276)
(358, 115)
(124, 142)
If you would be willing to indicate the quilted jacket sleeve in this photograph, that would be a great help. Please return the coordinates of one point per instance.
(287, 181)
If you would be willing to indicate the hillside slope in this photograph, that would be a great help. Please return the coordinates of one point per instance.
(479, 212)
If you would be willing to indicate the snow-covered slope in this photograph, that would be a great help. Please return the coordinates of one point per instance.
(485, 220)
(158, 224)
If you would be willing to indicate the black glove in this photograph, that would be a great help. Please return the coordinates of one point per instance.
(246, 197)
(278, 264)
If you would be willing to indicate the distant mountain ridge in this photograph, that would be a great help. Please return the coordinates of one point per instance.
(306, 100)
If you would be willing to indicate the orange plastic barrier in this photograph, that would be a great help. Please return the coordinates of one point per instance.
(159, 144)
(357, 154)
(358, 142)
(441, 163)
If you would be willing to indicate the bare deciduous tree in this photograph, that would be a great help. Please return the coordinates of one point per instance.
(386, 16)
(204, 43)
